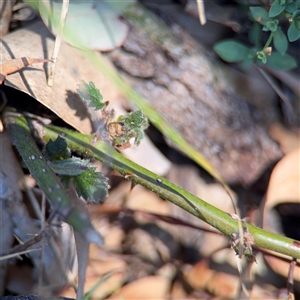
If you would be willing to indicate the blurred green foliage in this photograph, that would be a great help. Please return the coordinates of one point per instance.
(269, 21)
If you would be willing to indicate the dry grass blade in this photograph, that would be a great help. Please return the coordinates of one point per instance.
(201, 10)
(58, 40)
(290, 283)
(9, 256)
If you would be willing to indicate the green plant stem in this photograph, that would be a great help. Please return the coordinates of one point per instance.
(37, 164)
(269, 41)
(221, 220)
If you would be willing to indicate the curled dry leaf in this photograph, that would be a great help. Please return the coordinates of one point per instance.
(284, 181)
(283, 189)
(71, 68)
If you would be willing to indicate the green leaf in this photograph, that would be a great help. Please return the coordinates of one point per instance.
(290, 7)
(276, 9)
(296, 14)
(90, 185)
(281, 62)
(297, 22)
(293, 32)
(262, 56)
(128, 127)
(259, 14)
(280, 41)
(57, 149)
(231, 50)
(272, 25)
(71, 166)
(89, 92)
(137, 122)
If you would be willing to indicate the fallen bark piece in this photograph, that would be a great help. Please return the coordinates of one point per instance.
(219, 111)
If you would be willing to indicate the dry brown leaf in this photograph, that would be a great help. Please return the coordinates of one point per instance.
(199, 275)
(62, 97)
(285, 181)
(282, 267)
(17, 64)
(178, 291)
(151, 287)
(71, 68)
(220, 284)
(287, 139)
(114, 235)
(284, 187)
(223, 285)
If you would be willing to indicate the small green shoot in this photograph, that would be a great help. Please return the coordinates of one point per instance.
(128, 127)
(57, 149)
(89, 93)
(89, 184)
(121, 131)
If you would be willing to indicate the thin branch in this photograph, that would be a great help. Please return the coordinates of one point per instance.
(221, 220)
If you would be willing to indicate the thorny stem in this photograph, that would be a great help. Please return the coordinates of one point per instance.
(85, 144)
(217, 218)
